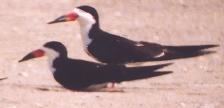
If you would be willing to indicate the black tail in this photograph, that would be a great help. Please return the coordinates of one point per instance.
(188, 49)
(178, 52)
(135, 73)
(148, 68)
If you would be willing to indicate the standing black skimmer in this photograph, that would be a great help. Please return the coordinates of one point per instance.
(83, 75)
(113, 49)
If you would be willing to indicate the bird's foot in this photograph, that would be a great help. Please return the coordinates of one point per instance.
(111, 90)
(111, 85)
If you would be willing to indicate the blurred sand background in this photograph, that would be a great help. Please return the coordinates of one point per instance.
(195, 83)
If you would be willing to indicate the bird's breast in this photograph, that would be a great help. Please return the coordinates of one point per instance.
(85, 37)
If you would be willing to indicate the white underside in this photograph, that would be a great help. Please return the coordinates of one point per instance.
(160, 55)
(157, 56)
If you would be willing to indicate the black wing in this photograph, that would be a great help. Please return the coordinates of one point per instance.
(146, 51)
(78, 74)
(110, 48)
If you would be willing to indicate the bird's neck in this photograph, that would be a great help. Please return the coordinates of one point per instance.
(89, 28)
(55, 62)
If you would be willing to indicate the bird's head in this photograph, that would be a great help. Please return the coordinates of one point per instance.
(84, 14)
(51, 49)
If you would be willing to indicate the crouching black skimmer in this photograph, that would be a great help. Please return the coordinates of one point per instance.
(83, 75)
(114, 49)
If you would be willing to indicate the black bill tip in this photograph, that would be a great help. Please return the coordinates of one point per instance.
(27, 57)
(59, 19)
(52, 22)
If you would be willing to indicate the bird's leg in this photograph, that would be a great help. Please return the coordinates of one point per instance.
(111, 85)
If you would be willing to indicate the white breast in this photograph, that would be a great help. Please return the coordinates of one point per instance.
(85, 37)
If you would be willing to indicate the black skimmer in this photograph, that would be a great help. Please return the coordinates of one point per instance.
(78, 74)
(113, 49)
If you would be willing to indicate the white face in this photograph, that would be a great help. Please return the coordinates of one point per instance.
(52, 55)
(86, 21)
(84, 18)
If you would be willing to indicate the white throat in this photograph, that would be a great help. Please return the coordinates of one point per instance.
(52, 55)
(86, 21)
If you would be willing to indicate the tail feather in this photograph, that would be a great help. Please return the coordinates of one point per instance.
(156, 52)
(180, 52)
(147, 68)
(135, 73)
(188, 49)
